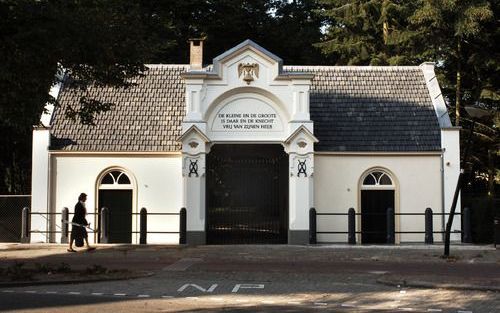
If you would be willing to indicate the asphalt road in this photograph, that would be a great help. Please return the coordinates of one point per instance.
(263, 279)
(197, 290)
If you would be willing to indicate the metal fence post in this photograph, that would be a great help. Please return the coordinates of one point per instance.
(429, 228)
(64, 225)
(496, 224)
(183, 227)
(25, 226)
(104, 229)
(390, 226)
(467, 238)
(143, 226)
(351, 226)
(313, 239)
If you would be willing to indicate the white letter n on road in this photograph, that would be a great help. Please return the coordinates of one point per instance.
(212, 288)
(247, 286)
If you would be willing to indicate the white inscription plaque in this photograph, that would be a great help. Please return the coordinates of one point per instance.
(247, 115)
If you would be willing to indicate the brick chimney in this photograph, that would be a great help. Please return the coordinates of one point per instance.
(196, 53)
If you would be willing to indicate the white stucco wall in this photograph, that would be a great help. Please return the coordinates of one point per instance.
(157, 180)
(450, 141)
(40, 185)
(336, 189)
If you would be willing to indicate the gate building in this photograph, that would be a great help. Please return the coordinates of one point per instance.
(248, 145)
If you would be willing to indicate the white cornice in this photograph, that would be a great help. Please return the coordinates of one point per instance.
(111, 153)
(375, 153)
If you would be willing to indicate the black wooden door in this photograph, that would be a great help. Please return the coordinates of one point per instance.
(374, 204)
(119, 203)
(247, 194)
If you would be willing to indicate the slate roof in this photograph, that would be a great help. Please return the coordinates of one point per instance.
(383, 108)
(353, 109)
(146, 117)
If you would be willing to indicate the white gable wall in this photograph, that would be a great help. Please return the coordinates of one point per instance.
(337, 188)
(157, 180)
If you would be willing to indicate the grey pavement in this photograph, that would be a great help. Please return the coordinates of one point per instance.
(262, 278)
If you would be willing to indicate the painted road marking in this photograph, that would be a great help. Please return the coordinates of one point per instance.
(348, 305)
(268, 302)
(185, 286)
(434, 310)
(320, 303)
(237, 287)
(406, 309)
(74, 293)
(294, 302)
(30, 291)
(167, 297)
(51, 292)
(143, 296)
(120, 294)
(8, 291)
(182, 264)
(378, 272)
(97, 293)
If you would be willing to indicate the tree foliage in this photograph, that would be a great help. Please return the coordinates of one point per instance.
(95, 41)
(105, 42)
(460, 36)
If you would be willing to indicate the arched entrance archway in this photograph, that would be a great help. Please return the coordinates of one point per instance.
(378, 192)
(115, 192)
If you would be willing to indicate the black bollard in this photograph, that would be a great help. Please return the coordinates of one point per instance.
(25, 225)
(390, 226)
(312, 227)
(183, 226)
(467, 237)
(351, 226)
(143, 226)
(104, 229)
(429, 229)
(64, 225)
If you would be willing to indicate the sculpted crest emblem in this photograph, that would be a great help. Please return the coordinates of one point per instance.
(248, 70)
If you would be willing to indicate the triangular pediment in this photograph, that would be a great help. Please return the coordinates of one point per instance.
(194, 131)
(304, 132)
(247, 45)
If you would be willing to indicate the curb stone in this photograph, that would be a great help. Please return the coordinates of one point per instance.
(425, 284)
(73, 281)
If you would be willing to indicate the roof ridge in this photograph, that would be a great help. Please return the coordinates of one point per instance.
(161, 65)
(352, 67)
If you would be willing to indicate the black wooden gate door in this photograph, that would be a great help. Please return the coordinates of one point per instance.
(374, 204)
(119, 203)
(247, 194)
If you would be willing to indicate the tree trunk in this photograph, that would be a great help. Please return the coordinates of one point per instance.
(386, 32)
(491, 174)
(458, 87)
(385, 24)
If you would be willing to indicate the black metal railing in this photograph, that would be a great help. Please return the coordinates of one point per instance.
(389, 232)
(102, 230)
(11, 207)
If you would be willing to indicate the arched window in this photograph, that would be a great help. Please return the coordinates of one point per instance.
(115, 180)
(377, 178)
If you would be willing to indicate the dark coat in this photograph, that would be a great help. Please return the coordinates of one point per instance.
(78, 232)
(79, 216)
